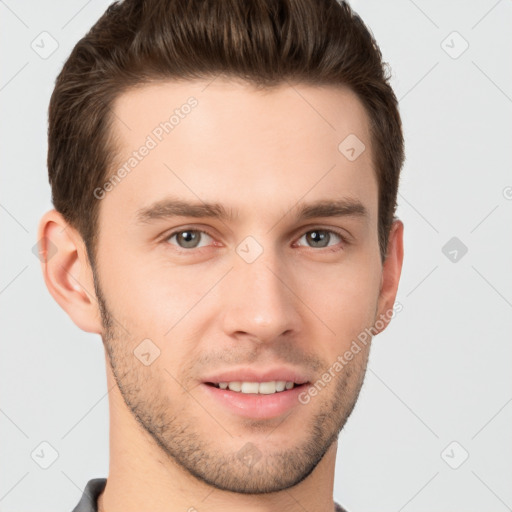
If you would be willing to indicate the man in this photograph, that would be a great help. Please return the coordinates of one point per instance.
(224, 176)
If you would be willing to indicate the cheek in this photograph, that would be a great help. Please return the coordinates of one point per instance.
(345, 300)
(155, 300)
(134, 296)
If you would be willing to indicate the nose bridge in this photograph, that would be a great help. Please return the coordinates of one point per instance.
(259, 301)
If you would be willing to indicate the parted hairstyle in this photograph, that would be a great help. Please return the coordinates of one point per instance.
(263, 42)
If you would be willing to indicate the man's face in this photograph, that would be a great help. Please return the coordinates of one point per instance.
(260, 295)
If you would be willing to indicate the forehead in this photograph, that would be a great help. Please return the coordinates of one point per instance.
(225, 141)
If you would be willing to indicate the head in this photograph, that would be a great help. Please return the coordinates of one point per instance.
(226, 175)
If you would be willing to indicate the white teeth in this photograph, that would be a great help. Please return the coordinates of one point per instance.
(235, 386)
(250, 387)
(264, 388)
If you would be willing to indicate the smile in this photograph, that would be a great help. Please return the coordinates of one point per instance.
(262, 388)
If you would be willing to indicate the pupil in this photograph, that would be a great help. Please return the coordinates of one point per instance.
(189, 237)
(317, 237)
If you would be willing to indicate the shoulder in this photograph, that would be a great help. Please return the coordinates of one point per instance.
(89, 500)
(338, 508)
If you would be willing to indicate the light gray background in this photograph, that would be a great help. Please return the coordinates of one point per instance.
(440, 373)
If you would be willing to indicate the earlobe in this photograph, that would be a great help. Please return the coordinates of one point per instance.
(391, 271)
(67, 271)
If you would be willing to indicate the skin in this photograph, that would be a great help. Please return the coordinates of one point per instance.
(301, 303)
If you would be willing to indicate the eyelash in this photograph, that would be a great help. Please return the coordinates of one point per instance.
(325, 230)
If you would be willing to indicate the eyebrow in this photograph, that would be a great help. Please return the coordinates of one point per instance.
(169, 208)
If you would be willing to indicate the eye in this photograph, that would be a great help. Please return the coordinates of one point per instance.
(320, 238)
(192, 238)
(187, 238)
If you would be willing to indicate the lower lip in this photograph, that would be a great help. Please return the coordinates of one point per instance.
(252, 405)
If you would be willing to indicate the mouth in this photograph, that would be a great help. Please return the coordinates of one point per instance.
(257, 400)
(257, 388)
(257, 393)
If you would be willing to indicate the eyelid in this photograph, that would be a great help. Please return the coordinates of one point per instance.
(345, 238)
(167, 236)
(342, 233)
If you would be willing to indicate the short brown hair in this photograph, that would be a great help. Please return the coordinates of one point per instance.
(264, 42)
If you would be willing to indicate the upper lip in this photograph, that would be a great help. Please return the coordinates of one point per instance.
(254, 375)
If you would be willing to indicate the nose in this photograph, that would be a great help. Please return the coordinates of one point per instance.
(259, 302)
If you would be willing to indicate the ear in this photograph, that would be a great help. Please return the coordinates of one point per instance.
(67, 271)
(391, 270)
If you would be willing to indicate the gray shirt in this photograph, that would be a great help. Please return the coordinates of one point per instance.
(94, 487)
